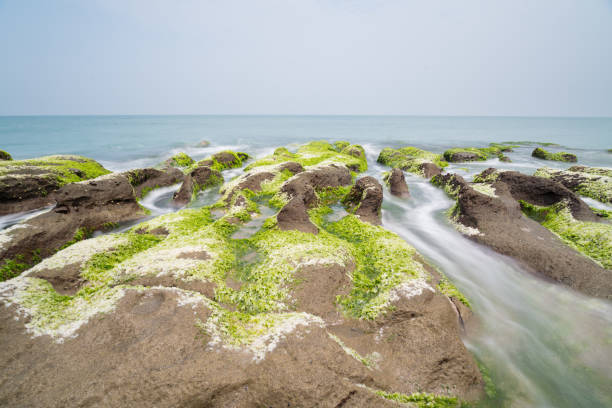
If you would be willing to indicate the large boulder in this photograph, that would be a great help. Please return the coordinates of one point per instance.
(365, 199)
(80, 209)
(396, 181)
(490, 213)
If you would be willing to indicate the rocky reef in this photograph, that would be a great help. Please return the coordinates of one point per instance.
(594, 182)
(537, 221)
(309, 310)
(26, 184)
(413, 160)
(540, 153)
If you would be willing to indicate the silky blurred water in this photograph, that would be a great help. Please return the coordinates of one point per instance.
(544, 345)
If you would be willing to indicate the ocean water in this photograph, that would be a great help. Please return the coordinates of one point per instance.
(544, 345)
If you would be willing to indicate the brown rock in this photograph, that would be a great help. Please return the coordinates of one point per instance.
(397, 183)
(429, 169)
(365, 199)
(294, 216)
(88, 204)
(503, 227)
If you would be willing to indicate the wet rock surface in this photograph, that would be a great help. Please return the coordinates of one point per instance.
(145, 180)
(178, 313)
(397, 183)
(365, 199)
(496, 220)
(27, 184)
(86, 206)
(594, 182)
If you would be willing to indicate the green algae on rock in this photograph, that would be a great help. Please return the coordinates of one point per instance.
(224, 160)
(540, 153)
(318, 152)
(411, 159)
(254, 294)
(463, 154)
(63, 168)
(593, 239)
(5, 155)
(594, 182)
(180, 160)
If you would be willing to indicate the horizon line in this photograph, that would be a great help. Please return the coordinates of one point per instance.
(309, 115)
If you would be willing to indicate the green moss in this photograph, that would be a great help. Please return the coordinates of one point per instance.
(594, 182)
(5, 155)
(339, 145)
(15, 266)
(482, 153)
(180, 160)
(530, 143)
(238, 158)
(98, 267)
(317, 152)
(423, 400)
(383, 261)
(504, 147)
(445, 286)
(409, 158)
(79, 235)
(593, 239)
(66, 169)
(560, 156)
(602, 213)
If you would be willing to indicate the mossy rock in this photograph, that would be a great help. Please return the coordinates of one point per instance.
(224, 160)
(410, 159)
(463, 154)
(58, 170)
(540, 153)
(5, 155)
(180, 160)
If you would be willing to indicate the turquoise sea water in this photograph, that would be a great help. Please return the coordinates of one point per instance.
(125, 138)
(543, 344)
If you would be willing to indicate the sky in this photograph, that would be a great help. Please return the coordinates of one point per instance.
(379, 57)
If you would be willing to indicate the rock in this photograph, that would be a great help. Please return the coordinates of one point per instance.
(505, 159)
(224, 160)
(305, 183)
(365, 199)
(80, 209)
(145, 180)
(397, 183)
(414, 160)
(198, 179)
(203, 143)
(594, 182)
(179, 160)
(5, 155)
(27, 184)
(178, 313)
(294, 216)
(462, 156)
(540, 153)
(496, 220)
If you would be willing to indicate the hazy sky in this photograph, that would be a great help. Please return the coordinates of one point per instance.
(432, 57)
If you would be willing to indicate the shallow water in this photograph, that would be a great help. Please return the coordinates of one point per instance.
(544, 345)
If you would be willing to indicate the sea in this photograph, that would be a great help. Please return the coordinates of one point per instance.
(540, 344)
